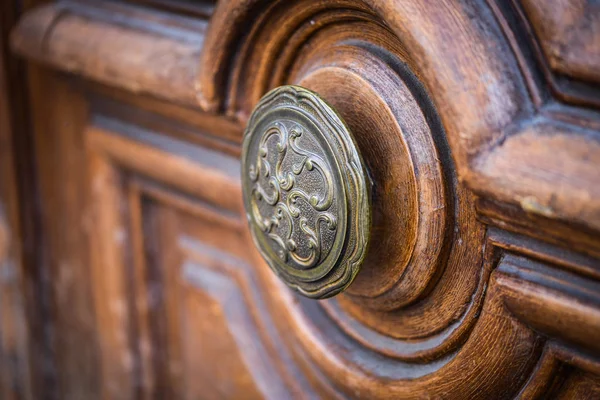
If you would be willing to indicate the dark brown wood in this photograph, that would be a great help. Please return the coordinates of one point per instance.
(27, 366)
(15, 374)
(122, 211)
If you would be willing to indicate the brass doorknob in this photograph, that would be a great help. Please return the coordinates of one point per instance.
(306, 192)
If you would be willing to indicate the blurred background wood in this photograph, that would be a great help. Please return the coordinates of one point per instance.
(126, 267)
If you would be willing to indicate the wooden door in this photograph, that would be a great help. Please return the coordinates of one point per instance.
(136, 274)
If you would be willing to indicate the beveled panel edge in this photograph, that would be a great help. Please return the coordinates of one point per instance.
(49, 34)
(92, 41)
(476, 121)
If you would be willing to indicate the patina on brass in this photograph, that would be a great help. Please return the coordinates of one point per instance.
(306, 192)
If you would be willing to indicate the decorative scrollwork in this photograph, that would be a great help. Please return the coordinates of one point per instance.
(305, 192)
(285, 221)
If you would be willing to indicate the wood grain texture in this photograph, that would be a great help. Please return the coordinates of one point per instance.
(87, 39)
(28, 367)
(15, 373)
(108, 263)
(568, 34)
(183, 251)
(477, 113)
(482, 281)
(60, 159)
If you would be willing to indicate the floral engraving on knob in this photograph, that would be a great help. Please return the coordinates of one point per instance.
(293, 214)
(306, 192)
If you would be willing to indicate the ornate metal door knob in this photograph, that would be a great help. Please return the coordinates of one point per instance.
(306, 192)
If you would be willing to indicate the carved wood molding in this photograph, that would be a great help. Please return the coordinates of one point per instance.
(478, 85)
(448, 312)
(128, 47)
(567, 35)
(523, 294)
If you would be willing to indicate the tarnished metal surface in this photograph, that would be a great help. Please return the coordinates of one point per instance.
(306, 192)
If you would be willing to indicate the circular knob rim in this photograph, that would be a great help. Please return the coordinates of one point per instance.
(306, 192)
